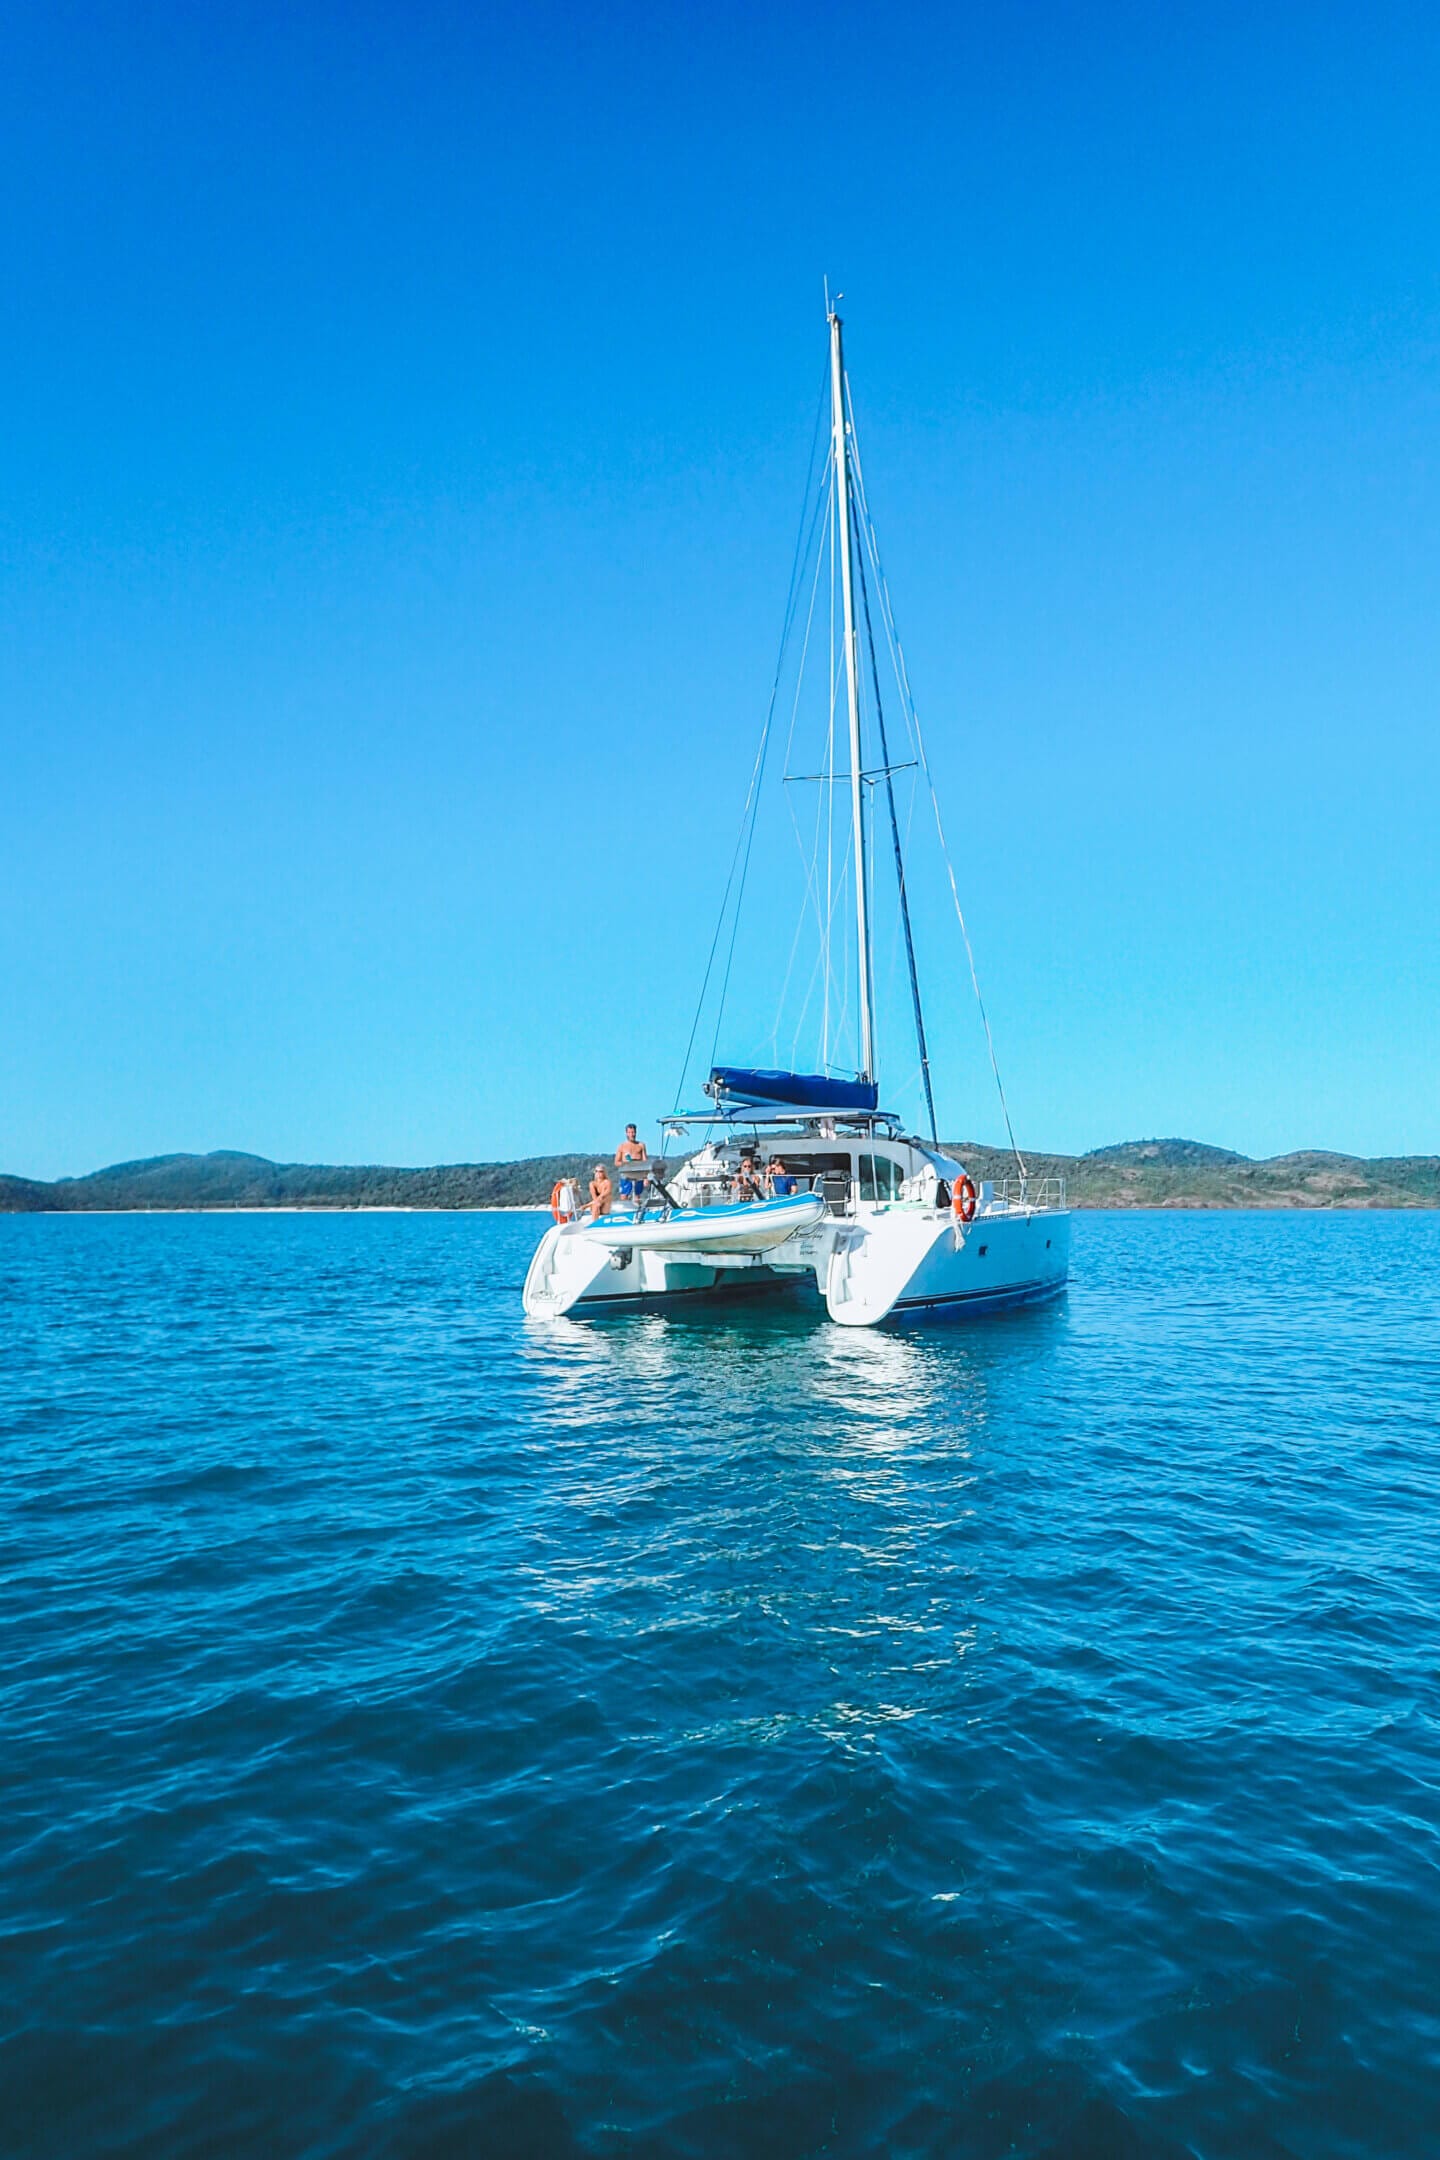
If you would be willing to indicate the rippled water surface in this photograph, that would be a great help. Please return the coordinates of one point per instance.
(429, 1733)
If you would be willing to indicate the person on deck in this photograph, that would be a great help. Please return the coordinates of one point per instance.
(630, 1151)
(602, 1192)
(747, 1183)
(780, 1181)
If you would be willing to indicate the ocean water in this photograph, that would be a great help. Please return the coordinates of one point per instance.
(427, 1733)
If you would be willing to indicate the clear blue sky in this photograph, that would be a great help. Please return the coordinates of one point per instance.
(406, 409)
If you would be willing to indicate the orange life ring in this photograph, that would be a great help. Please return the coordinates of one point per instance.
(560, 1212)
(963, 1198)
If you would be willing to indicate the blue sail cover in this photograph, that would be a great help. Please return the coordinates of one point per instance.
(741, 1087)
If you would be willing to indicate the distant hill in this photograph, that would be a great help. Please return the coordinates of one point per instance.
(229, 1180)
(1168, 1154)
(1134, 1173)
(1186, 1173)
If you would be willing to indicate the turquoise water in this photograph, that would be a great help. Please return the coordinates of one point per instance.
(430, 1734)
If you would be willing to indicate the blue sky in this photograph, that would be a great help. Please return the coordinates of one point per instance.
(406, 417)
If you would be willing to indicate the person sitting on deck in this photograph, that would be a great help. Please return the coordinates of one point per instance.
(602, 1192)
(780, 1181)
(630, 1151)
(746, 1183)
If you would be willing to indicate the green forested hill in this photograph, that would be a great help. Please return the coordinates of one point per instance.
(1186, 1173)
(1136, 1173)
(229, 1180)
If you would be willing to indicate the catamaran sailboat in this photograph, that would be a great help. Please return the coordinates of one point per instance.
(868, 1219)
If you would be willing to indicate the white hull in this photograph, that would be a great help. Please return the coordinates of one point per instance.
(891, 1263)
(879, 1262)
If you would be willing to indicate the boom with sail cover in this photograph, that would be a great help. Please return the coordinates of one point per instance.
(742, 1087)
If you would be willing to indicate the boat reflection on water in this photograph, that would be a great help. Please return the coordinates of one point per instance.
(832, 1390)
(808, 1506)
(647, 1386)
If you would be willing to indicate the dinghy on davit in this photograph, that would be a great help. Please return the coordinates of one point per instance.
(860, 1214)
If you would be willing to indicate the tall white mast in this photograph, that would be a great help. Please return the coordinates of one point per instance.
(852, 681)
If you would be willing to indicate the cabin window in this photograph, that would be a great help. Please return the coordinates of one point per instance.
(880, 1179)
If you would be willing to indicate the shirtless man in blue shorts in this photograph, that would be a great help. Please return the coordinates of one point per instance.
(629, 1151)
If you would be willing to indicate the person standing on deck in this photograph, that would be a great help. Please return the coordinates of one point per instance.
(630, 1151)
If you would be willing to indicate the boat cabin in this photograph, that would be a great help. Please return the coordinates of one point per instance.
(875, 1164)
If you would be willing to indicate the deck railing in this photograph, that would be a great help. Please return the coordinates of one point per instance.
(1029, 1192)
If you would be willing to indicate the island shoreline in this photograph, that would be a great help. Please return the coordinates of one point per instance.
(1161, 1176)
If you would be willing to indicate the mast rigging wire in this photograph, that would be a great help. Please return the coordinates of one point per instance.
(740, 858)
(902, 677)
(895, 834)
(757, 771)
(812, 890)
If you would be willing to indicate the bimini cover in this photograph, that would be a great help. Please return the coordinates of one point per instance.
(741, 1087)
